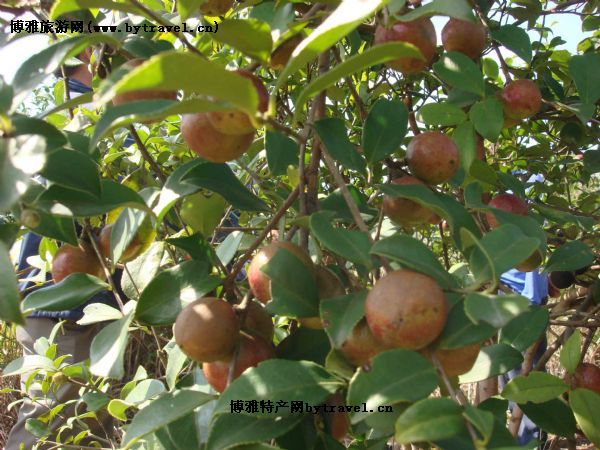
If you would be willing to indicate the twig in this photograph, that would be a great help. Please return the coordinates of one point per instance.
(146, 155)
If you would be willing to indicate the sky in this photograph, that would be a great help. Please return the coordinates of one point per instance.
(568, 26)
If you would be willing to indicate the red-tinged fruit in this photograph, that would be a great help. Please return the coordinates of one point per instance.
(145, 94)
(238, 122)
(406, 309)
(506, 202)
(586, 376)
(432, 157)
(404, 211)
(282, 54)
(360, 346)
(207, 329)
(253, 350)
(531, 263)
(69, 259)
(258, 321)
(260, 281)
(420, 33)
(521, 99)
(208, 143)
(464, 36)
(456, 361)
(215, 7)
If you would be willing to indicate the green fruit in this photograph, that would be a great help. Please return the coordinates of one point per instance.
(203, 214)
(293, 175)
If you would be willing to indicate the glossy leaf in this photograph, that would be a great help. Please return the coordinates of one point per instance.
(9, 295)
(537, 387)
(341, 314)
(384, 129)
(282, 151)
(460, 9)
(429, 420)
(553, 416)
(235, 32)
(515, 39)
(582, 69)
(69, 293)
(493, 360)
(572, 255)
(334, 137)
(59, 169)
(525, 329)
(570, 354)
(488, 118)
(460, 71)
(585, 405)
(413, 254)
(441, 114)
(108, 349)
(395, 376)
(142, 270)
(460, 331)
(497, 310)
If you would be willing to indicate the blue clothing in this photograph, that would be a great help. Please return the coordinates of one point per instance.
(533, 285)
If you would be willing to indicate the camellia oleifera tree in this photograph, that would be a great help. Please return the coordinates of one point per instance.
(338, 164)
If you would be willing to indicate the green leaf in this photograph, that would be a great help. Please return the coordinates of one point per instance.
(428, 420)
(497, 310)
(572, 255)
(125, 229)
(143, 269)
(282, 151)
(146, 110)
(482, 420)
(553, 416)
(19, 159)
(441, 114)
(64, 6)
(28, 363)
(229, 430)
(464, 138)
(460, 9)
(108, 349)
(208, 78)
(584, 70)
(220, 178)
(305, 344)
(537, 387)
(280, 379)
(570, 355)
(585, 405)
(459, 331)
(69, 293)
(6, 95)
(493, 360)
(293, 286)
(352, 245)
(9, 292)
(515, 39)
(59, 169)
(44, 63)
(412, 253)
(163, 411)
(525, 329)
(144, 391)
(341, 314)
(443, 205)
(166, 295)
(488, 118)
(395, 376)
(372, 56)
(175, 188)
(187, 8)
(384, 129)
(118, 408)
(334, 137)
(461, 72)
(345, 18)
(236, 32)
(83, 204)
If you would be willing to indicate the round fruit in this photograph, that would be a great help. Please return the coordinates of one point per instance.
(521, 99)
(329, 286)
(259, 281)
(238, 122)
(406, 309)
(360, 346)
(145, 94)
(432, 157)
(215, 7)
(259, 322)
(404, 211)
(531, 263)
(253, 350)
(204, 140)
(420, 33)
(138, 245)
(586, 376)
(464, 36)
(456, 361)
(282, 54)
(506, 202)
(561, 279)
(337, 422)
(203, 214)
(69, 259)
(206, 330)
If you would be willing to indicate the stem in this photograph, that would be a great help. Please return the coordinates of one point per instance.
(146, 155)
